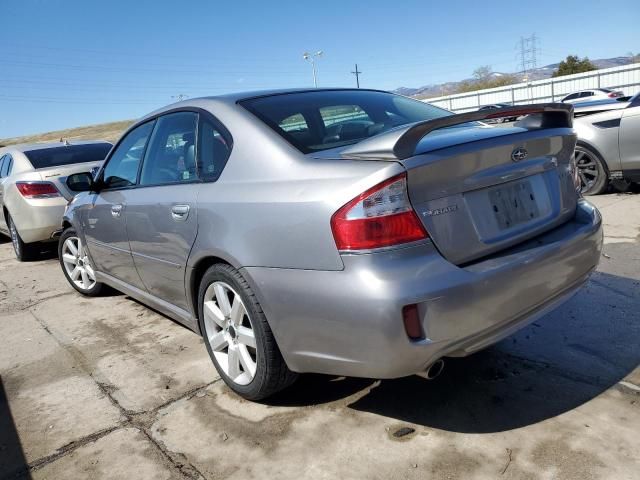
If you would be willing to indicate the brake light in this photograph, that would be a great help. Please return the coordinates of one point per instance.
(37, 189)
(380, 217)
(613, 95)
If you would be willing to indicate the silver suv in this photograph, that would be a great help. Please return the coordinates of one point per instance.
(346, 232)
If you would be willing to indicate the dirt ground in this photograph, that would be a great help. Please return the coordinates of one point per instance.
(107, 389)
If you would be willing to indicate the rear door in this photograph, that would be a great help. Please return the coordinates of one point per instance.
(161, 213)
(104, 224)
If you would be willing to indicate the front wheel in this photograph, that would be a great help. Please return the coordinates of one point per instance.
(238, 337)
(76, 265)
(594, 178)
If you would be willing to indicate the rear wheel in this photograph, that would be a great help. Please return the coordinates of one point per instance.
(238, 337)
(76, 265)
(593, 174)
(24, 251)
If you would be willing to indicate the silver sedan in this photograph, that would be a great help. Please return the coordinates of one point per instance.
(345, 232)
(33, 193)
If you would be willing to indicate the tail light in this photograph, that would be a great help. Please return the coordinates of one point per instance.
(613, 95)
(380, 217)
(37, 189)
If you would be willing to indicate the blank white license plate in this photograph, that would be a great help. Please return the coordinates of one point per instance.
(513, 204)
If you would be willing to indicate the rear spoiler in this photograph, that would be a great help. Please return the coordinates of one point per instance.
(400, 143)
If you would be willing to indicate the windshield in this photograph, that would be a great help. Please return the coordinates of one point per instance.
(320, 120)
(67, 154)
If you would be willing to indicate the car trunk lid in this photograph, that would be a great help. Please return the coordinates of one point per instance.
(480, 189)
(58, 175)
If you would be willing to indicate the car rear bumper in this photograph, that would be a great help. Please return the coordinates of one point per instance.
(350, 323)
(37, 219)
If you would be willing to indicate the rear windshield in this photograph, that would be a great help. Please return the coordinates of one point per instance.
(315, 121)
(67, 154)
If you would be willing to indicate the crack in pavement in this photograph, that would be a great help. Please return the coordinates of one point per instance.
(141, 421)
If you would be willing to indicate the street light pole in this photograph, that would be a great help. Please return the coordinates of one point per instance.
(311, 58)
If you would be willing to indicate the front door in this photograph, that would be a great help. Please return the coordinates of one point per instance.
(161, 213)
(104, 223)
(630, 140)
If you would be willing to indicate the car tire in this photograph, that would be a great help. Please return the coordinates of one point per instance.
(594, 176)
(238, 337)
(76, 264)
(24, 251)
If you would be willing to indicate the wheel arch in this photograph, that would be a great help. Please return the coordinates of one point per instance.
(194, 277)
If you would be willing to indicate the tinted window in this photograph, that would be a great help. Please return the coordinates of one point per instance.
(586, 94)
(213, 150)
(67, 154)
(339, 117)
(572, 96)
(170, 157)
(2, 166)
(122, 168)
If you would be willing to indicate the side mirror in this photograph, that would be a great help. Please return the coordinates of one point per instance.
(81, 182)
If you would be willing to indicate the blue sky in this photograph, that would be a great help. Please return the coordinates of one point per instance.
(68, 63)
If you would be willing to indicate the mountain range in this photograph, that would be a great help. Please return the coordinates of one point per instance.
(539, 73)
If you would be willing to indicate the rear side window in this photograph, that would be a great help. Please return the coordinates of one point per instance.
(122, 168)
(318, 120)
(214, 149)
(67, 155)
(3, 168)
(171, 156)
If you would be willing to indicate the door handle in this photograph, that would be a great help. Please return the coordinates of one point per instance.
(180, 212)
(116, 210)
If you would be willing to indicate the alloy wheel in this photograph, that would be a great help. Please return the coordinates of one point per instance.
(14, 237)
(77, 264)
(587, 169)
(230, 333)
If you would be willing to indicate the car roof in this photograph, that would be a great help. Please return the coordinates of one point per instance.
(233, 98)
(29, 147)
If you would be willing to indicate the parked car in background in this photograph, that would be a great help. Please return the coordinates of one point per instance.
(371, 250)
(496, 106)
(33, 193)
(592, 94)
(596, 106)
(608, 148)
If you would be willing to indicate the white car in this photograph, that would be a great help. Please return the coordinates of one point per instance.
(591, 95)
(33, 193)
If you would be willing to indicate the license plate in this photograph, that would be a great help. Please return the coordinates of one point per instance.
(513, 204)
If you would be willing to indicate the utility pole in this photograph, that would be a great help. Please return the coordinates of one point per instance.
(179, 97)
(310, 57)
(528, 50)
(357, 74)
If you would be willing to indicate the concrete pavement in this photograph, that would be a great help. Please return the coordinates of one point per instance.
(106, 388)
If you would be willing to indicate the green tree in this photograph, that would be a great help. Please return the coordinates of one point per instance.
(572, 64)
(635, 57)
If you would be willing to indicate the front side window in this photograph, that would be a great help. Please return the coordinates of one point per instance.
(213, 150)
(170, 157)
(335, 118)
(122, 167)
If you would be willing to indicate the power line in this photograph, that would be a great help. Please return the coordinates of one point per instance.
(357, 74)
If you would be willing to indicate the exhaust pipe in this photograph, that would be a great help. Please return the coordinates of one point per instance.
(433, 371)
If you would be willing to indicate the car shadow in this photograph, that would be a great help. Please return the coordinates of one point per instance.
(556, 364)
(13, 462)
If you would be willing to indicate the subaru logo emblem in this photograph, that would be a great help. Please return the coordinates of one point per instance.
(519, 154)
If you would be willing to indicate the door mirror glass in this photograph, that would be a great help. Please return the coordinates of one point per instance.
(80, 182)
